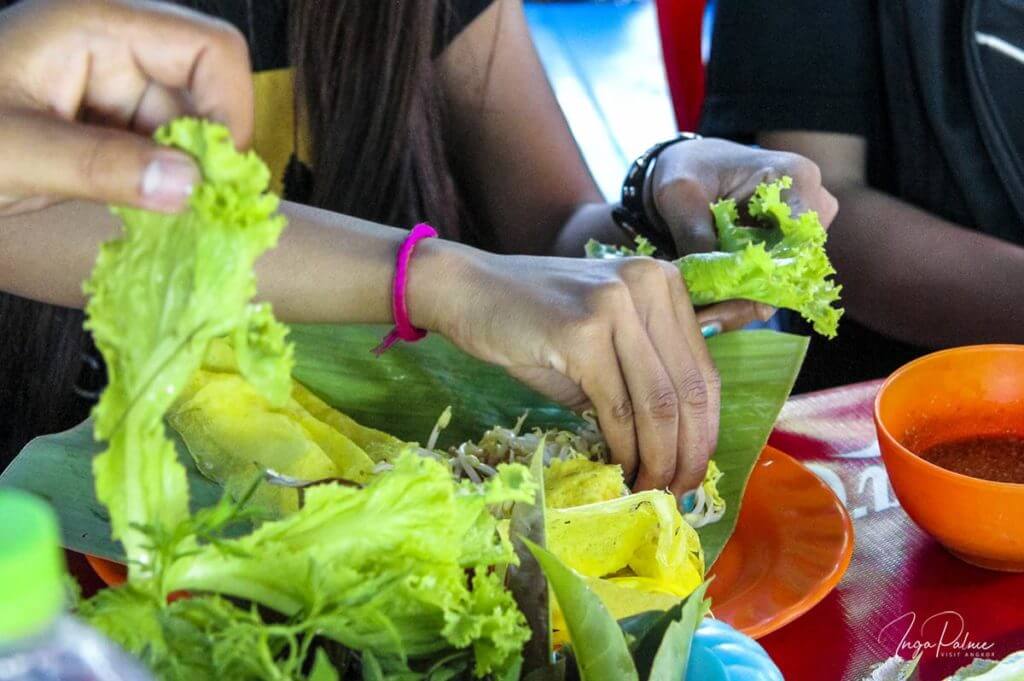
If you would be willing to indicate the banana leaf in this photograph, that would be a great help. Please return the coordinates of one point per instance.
(403, 393)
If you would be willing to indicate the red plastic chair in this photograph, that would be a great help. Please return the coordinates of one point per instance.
(680, 23)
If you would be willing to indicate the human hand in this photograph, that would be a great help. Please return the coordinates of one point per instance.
(689, 176)
(83, 84)
(616, 335)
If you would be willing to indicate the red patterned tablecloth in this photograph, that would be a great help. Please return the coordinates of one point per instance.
(902, 591)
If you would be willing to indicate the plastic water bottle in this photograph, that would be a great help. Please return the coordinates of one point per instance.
(39, 641)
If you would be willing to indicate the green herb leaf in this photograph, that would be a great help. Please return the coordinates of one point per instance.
(397, 591)
(647, 631)
(323, 670)
(599, 646)
(371, 668)
(673, 654)
(528, 523)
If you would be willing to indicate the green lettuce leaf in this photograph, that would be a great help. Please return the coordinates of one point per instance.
(383, 568)
(781, 261)
(157, 296)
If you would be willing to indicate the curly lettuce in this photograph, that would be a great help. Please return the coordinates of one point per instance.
(780, 261)
(157, 296)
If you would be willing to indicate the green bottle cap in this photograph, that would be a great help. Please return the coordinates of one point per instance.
(31, 565)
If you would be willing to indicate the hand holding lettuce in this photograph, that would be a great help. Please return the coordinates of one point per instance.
(780, 262)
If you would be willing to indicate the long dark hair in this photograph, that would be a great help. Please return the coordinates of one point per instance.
(367, 88)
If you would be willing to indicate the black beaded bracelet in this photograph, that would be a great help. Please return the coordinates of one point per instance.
(630, 215)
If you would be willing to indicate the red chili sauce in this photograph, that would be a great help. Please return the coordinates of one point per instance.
(989, 457)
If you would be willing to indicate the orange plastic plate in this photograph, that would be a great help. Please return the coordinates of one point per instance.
(792, 544)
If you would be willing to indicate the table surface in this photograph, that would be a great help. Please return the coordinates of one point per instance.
(902, 591)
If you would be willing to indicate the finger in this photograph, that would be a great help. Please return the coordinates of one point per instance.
(74, 160)
(158, 106)
(181, 49)
(11, 205)
(655, 403)
(684, 206)
(732, 315)
(113, 90)
(807, 192)
(829, 209)
(603, 383)
(701, 402)
(666, 329)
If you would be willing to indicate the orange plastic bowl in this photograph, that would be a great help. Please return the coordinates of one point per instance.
(958, 393)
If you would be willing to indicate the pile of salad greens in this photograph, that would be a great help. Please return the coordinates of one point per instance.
(780, 261)
(408, 573)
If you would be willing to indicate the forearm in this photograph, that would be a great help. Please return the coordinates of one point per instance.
(589, 221)
(326, 268)
(921, 279)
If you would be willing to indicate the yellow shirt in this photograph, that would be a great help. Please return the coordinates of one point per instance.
(274, 138)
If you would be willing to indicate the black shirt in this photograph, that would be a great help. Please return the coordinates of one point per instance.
(264, 23)
(891, 71)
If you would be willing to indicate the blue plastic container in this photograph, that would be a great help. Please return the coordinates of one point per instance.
(720, 653)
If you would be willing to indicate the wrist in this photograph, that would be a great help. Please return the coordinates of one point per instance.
(438, 273)
(637, 213)
(650, 204)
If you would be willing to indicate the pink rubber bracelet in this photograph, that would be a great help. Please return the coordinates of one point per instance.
(404, 330)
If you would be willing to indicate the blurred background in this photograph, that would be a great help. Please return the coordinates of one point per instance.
(612, 75)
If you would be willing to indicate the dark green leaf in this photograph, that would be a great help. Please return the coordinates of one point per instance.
(525, 579)
(553, 672)
(336, 363)
(598, 644)
(673, 654)
(670, 661)
(59, 469)
(646, 632)
(323, 670)
(404, 391)
(371, 667)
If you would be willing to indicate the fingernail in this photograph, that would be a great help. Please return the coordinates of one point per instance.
(711, 329)
(765, 312)
(168, 181)
(688, 501)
